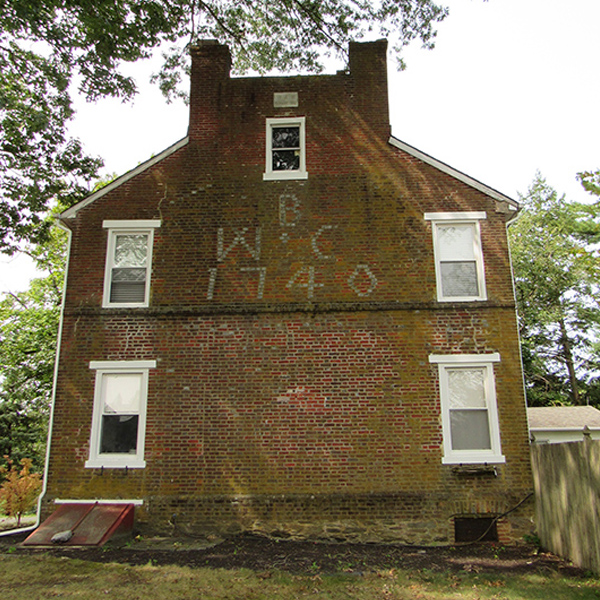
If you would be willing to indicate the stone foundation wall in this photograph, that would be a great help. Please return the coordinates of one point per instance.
(404, 518)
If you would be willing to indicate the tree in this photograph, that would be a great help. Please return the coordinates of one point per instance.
(590, 180)
(19, 490)
(28, 333)
(47, 47)
(556, 266)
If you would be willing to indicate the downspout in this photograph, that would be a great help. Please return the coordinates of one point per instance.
(30, 528)
(514, 290)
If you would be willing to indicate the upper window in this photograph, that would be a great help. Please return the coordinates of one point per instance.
(458, 256)
(286, 149)
(119, 417)
(128, 262)
(469, 412)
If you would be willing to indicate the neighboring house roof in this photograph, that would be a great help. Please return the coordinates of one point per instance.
(563, 418)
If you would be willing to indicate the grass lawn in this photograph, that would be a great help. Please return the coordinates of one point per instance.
(41, 576)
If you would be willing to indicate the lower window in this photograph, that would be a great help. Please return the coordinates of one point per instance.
(119, 417)
(469, 412)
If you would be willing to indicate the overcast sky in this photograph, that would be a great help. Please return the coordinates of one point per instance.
(512, 87)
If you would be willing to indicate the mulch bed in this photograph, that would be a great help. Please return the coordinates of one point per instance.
(262, 555)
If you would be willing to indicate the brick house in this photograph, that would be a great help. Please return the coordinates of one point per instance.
(292, 323)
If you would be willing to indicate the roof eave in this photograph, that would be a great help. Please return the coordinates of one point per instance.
(73, 210)
(438, 164)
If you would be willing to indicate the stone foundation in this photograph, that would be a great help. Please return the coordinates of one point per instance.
(413, 519)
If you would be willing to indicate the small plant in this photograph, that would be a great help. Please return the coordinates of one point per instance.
(20, 488)
(533, 539)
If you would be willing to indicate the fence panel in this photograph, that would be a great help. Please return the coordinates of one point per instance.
(567, 492)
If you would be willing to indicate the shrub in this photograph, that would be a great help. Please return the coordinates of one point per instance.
(20, 489)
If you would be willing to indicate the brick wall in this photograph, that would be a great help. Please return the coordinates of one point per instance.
(291, 322)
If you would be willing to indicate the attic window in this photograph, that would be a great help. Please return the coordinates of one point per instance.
(285, 150)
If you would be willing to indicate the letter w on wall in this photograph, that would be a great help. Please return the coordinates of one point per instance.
(239, 239)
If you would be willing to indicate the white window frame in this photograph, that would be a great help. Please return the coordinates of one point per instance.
(485, 362)
(301, 173)
(113, 460)
(459, 218)
(135, 227)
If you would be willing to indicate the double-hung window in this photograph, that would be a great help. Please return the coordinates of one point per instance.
(469, 412)
(128, 263)
(286, 149)
(459, 267)
(119, 414)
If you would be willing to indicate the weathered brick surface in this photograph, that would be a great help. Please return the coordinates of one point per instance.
(291, 322)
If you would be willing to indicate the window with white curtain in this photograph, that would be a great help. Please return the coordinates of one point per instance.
(459, 268)
(469, 411)
(119, 414)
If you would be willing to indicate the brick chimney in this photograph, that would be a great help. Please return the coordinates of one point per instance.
(368, 69)
(211, 63)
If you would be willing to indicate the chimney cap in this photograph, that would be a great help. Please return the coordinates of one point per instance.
(201, 43)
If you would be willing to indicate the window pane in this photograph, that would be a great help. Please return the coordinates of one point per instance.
(131, 275)
(459, 279)
(121, 393)
(466, 388)
(119, 434)
(286, 137)
(125, 292)
(286, 160)
(470, 430)
(128, 285)
(131, 250)
(456, 242)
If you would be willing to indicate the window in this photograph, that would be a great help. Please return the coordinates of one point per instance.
(469, 413)
(285, 152)
(119, 417)
(458, 256)
(128, 262)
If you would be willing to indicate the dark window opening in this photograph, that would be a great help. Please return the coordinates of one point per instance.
(286, 148)
(475, 529)
(119, 434)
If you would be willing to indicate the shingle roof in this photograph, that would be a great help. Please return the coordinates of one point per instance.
(563, 417)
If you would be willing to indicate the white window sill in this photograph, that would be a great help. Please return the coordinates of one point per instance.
(126, 305)
(132, 463)
(463, 299)
(462, 459)
(284, 175)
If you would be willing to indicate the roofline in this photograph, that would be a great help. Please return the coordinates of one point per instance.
(438, 164)
(72, 212)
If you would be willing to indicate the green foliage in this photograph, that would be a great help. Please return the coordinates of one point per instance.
(556, 265)
(590, 180)
(28, 332)
(49, 47)
(20, 489)
(39, 163)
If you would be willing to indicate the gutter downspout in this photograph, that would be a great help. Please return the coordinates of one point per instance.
(8, 532)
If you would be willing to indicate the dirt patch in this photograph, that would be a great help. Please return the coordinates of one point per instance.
(261, 554)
